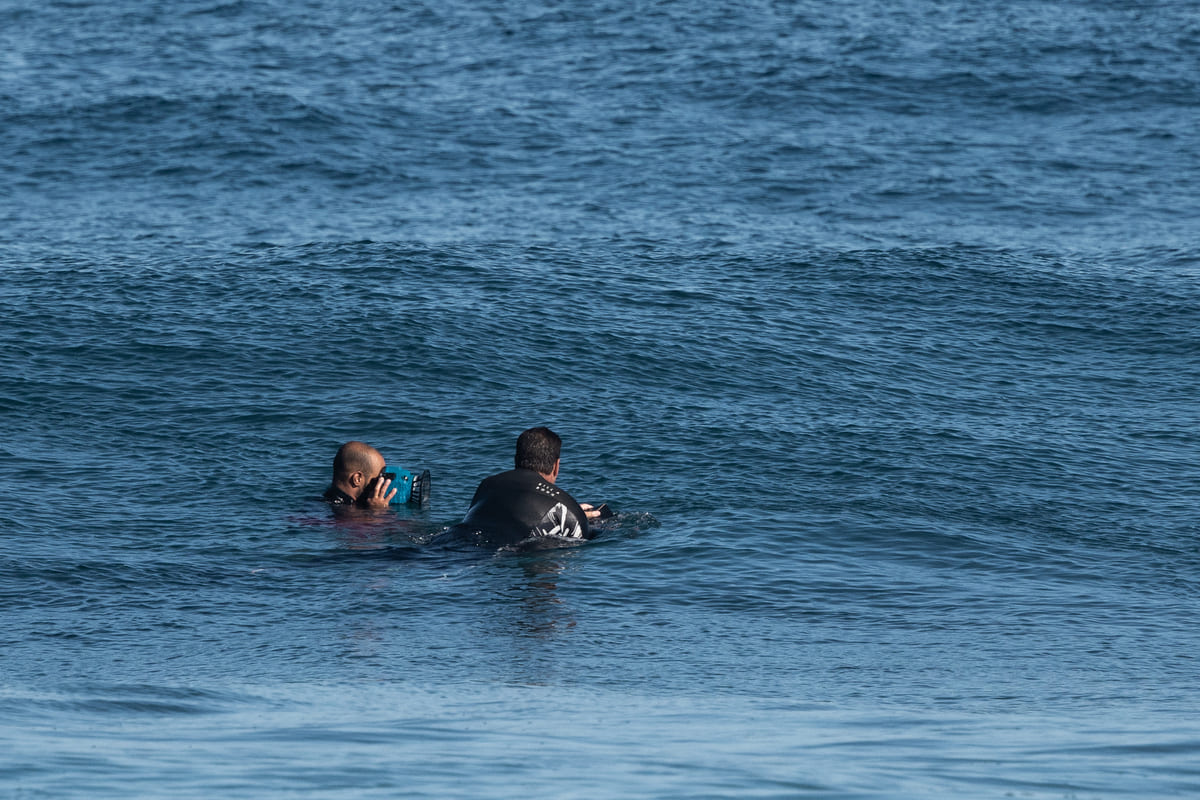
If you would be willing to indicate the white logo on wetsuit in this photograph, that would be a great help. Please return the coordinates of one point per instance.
(559, 522)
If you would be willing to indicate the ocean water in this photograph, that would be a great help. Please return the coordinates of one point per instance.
(878, 324)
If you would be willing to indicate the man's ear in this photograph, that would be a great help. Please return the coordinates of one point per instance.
(554, 475)
(357, 479)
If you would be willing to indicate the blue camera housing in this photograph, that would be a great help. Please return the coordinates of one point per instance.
(410, 487)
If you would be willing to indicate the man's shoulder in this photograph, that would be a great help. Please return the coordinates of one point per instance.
(336, 497)
(514, 478)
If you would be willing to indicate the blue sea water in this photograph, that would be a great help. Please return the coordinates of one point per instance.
(877, 323)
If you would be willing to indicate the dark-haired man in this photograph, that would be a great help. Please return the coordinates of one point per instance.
(356, 478)
(523, 504)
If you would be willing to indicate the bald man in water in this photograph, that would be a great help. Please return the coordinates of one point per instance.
(356, 481)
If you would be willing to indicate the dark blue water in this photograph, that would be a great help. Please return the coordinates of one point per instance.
(879, 325)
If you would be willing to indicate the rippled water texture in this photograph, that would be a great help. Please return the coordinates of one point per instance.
(878, 325)
(1047, 123)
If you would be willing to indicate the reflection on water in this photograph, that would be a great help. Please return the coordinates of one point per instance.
(540, 610)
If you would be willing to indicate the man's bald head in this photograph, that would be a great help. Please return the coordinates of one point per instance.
(356, 457)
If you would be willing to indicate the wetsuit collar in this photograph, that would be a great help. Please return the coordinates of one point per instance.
(335, 496)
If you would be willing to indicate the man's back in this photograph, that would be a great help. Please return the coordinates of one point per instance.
(514, 506)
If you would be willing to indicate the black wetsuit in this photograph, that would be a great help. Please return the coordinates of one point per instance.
(521, 505)
(336, 497)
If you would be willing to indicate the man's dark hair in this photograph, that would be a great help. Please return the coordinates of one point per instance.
(538, 449)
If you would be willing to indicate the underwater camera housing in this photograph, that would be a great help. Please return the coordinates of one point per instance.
(411, 488)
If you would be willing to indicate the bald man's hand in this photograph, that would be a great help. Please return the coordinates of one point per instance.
(378, 497)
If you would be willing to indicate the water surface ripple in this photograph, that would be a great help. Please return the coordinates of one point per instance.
(878, 325)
